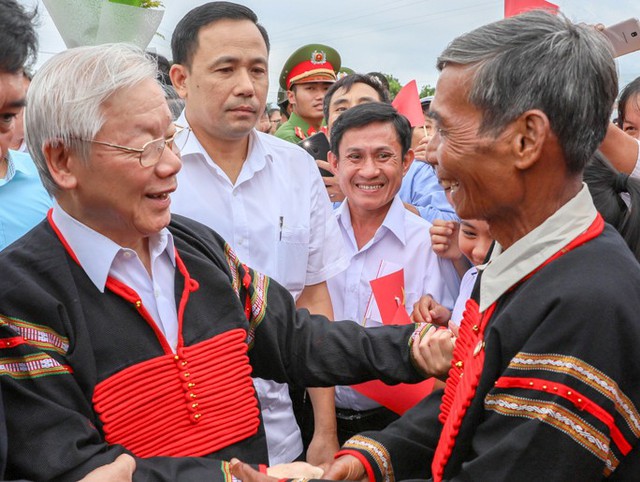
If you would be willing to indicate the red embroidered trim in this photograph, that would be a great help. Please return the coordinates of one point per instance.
(246, 282)
(11, 342)
(129, 294)
(468, 360)
(363, 460)
(179, 406)
(162, 408)
(61, 237)
(575, 397)
(463, 379)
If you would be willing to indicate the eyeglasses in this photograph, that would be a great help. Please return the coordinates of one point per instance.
(151, 152)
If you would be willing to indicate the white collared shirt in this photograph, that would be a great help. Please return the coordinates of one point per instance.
(506, 268)
(277, 216)
(100, 257)
(403, 239)
(466, 288)
(278, 219)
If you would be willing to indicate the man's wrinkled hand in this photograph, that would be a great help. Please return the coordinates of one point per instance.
(346, 467)
(322, 448)
(434, 352)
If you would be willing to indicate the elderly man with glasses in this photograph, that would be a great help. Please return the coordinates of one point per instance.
(126, 330)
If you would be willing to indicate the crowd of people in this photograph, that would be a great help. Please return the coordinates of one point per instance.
(174, 255)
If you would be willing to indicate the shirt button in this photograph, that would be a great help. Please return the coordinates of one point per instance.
(156, 293)
(240, 241)
(235, 193)
(127, 254)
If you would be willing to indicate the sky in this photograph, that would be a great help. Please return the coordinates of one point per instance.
(399, 37)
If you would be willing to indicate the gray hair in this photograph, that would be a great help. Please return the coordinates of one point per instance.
(538, 60)
(64, 101)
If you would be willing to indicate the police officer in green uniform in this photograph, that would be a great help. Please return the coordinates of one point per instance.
(306, 76)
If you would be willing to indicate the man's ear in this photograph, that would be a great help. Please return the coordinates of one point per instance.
(333, 160)
(60, 163)
(291, 97)
(532, 129)
(407, 160)
(179, 74)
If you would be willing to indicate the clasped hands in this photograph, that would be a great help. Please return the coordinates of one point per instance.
(344, 468)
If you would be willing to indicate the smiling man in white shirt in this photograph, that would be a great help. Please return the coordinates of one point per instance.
(370, 152)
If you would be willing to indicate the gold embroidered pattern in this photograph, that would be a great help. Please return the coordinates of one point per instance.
(586, 374)
(558, 417)
(234, 264)
(32, 366)
(377, 451)
(260, 284)
(225, 468)
(40, 336)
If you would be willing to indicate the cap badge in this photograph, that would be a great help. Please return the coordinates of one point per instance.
(318, 57)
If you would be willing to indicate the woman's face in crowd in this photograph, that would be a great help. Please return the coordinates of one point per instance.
(631, 122)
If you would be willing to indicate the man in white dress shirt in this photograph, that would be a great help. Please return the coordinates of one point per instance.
(264, 196)
(370, 153)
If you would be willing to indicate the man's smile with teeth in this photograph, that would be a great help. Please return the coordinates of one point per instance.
(369, 187)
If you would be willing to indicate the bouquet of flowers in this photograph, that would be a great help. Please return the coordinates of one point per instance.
(94, 22)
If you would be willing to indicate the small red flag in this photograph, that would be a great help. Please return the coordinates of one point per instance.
(515, 7)
(388, 291)
(407, 103)
(397, 398)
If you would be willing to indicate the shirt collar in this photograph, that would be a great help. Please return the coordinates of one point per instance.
(393, 222)
(506, 268)
(96, 252)
(15, 164)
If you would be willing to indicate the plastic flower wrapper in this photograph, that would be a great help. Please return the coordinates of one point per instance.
(94, 22)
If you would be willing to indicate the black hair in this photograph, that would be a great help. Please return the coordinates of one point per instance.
(628, 93)
(18, 38)
(365, 114)
(380, 78)
(164, 66)
(184, 41)
(347, 82)
(606, 184)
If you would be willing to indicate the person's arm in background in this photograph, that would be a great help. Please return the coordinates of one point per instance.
(420, 189)
(444, 242)
(324, 443)
(336, 196)
(622, 150)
